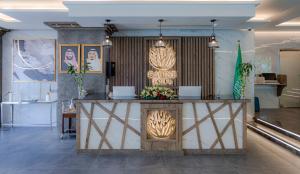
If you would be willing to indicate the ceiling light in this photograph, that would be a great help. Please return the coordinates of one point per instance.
(160, 43)
(213, 43)
(107, 42)
(6, 18)
(259, 18)
(289, 24)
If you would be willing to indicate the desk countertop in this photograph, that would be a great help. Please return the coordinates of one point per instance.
(103, 98)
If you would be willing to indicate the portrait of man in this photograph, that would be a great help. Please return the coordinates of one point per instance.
(92, 58)
(69, 55)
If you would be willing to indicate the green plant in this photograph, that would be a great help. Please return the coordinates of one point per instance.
(158, 93)
(245, 70)
(78, 76)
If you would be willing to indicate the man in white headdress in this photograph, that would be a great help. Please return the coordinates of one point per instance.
(93, 60)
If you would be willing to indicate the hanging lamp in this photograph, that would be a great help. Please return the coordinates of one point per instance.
(107, 42)
(160, 43)
(213, 43)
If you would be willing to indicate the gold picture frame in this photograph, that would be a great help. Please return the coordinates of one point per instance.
(95, 51)
(74, 50)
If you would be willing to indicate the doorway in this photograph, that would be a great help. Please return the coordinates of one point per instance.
(290, 65)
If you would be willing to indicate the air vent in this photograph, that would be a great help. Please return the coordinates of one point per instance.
(60, 25)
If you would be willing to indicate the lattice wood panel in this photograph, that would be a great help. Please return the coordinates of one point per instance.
(221, 119)
(109, 126)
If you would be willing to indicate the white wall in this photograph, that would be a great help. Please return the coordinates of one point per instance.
(290, 65)
(267, 59)
(267, 48)
(26, 115)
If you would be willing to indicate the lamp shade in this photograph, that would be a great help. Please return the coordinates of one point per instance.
(160, 43)
(213, 43)
(107, 42)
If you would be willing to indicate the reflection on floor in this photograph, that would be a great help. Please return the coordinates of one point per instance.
(39, 150)
(287, 118)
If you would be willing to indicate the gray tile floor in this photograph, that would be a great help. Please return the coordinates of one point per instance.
(287, 118)
(39, 150)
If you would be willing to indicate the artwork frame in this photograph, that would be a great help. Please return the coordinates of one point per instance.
(74, 51)
(96, 62)
(30, 59)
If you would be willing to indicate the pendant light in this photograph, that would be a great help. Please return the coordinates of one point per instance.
(160, 43)
(107, 42)
(213, 43)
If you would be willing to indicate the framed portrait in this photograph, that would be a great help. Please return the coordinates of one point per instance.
(69, 54)
(34, 60)
(91, 58)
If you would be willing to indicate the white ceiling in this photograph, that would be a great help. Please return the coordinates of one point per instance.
(189, 14)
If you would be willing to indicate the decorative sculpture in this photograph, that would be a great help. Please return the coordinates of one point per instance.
(160, 124)
(162, 60)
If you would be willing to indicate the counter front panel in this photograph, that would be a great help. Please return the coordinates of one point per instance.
(198, 126)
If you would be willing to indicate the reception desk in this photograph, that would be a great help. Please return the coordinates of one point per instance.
(181, 125)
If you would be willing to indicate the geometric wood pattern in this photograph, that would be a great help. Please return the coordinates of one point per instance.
(194, 62)
(229, 119)
(206, 124)
(102, 131)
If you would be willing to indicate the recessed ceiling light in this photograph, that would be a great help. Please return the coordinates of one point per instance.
(259, 19)
(6, 18)
(289, 24)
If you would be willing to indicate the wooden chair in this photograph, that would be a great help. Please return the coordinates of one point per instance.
(67, 113)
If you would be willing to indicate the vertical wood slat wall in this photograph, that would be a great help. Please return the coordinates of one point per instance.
(194, 64)
(197, 64)
(128, 53)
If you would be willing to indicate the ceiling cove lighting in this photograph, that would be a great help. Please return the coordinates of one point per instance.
(289, 24)
(213, 43)
(6, 18)
(160, 43)
(107, 42)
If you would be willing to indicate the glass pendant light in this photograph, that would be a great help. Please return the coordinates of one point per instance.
(213, 43)
(160, 43)
(107, 42)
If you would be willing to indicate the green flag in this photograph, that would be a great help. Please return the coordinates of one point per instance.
(237, 84)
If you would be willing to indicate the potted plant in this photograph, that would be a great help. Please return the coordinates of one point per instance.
(245, 70)
(158, 93)
(78, 77)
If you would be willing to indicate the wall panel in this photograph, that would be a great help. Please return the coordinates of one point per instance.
(128, 53)
(194, 62)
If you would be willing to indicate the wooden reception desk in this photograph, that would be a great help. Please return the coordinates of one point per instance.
(181, 125)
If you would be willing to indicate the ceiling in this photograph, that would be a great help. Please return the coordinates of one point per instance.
(143, 14)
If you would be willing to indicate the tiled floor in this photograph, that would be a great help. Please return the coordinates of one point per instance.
(287, 118)
(39, 151)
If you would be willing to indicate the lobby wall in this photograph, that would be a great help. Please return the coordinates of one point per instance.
(267, 59)
(93, 83)
(65, 88)
(25, 115)
(267, 48)
(1, 69)
(225, 56)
